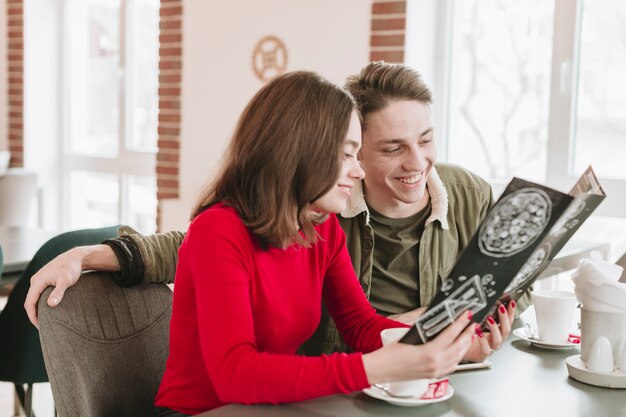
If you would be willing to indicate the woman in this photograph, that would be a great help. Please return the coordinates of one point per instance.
(264, 250)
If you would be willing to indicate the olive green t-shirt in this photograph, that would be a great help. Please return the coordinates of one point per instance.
(395, 275)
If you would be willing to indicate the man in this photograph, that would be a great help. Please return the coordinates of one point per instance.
(406, 222)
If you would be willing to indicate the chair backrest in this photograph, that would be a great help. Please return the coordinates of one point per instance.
(106, 346)
(21, 360)
(18, 188)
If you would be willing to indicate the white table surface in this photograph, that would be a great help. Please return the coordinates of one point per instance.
(523, 381)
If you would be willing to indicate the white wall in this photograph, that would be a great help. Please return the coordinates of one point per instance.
(4, 142)
(328, 36)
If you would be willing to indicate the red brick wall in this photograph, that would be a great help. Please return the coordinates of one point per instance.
(170, 74)
(15, 81)
(388, 30)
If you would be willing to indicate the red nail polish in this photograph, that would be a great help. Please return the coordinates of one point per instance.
(477, 327)
(502, 309)
(491, 320)
(512, 303)
(479, 333)
(470, 315)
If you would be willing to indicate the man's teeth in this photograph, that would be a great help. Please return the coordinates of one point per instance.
(410, 180)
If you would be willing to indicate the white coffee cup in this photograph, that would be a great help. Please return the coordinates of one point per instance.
(554, 310)
(414, 387)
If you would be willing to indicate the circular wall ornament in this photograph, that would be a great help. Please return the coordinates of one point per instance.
(269, 58)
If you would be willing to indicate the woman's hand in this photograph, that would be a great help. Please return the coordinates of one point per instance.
(487, 342)
(64, 271)
(438, 357)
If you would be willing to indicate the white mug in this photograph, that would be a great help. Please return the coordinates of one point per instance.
(414, 387)
(554, 310)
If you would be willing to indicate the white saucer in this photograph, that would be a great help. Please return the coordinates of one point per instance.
(526, 334)
(381, 394)
(577, 369)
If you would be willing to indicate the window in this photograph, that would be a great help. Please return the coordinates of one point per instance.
(528, 89)
(601, 111)
(500, 87)
(111, 110)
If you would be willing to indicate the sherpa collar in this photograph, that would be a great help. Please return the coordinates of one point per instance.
(438, 200)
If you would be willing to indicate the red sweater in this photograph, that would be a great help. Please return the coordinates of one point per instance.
(241, 312)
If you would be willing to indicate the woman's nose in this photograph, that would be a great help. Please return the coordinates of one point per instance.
(356, 172)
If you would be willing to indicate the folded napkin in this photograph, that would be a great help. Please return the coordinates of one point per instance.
(597, 284)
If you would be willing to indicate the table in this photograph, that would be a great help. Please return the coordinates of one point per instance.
(19, 245)
(524, 381)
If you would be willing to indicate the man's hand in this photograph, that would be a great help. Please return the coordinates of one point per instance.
(64, 271)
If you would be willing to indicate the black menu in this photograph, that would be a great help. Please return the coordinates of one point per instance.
(520, 235)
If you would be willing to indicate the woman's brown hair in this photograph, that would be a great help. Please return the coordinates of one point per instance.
(283, 155)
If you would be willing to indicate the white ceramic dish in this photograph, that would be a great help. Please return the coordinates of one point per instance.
(381, 394)
(526, 334)
(577, 369)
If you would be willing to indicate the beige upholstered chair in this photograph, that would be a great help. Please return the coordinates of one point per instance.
(105, 347)
(21, 358)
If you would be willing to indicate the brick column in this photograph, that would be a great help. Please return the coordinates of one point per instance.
(15, 81)
(388, 30)
(170, 76)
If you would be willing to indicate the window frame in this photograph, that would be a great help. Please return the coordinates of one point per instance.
(128, 162)
(428, 48)
(563, 109)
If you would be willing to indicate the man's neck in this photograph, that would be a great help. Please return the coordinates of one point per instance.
(398, 209)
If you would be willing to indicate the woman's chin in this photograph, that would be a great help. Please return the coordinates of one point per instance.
(335, 208)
